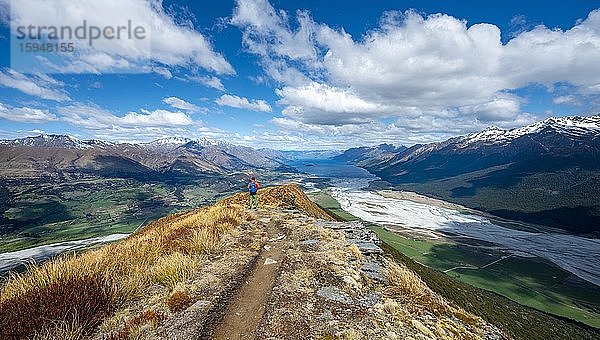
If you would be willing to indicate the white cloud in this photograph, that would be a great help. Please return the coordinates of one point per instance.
(164, 72)
(324, 104)
(166, 43)
(209, 81)
(155, 118)
(144, 125)
(93, 117)
(26, 114)
(500, 108)
(181, 104)
(435, 69)
(243, 103)
(567, 99)
(38, 85)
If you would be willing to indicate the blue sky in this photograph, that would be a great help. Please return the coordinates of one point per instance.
(301, 74)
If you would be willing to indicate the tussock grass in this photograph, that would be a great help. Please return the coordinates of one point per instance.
(284, 196)
(179, 300)
(405, 283)
(64, 330)
(134, 328)
(78, 291)
(172, 269)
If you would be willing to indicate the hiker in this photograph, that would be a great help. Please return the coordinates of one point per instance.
(253, 187)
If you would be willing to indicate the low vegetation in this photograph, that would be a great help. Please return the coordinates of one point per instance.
(521, 321)
(35, 212)
(77, 292)
(284, 196)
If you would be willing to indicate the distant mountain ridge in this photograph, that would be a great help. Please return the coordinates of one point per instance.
(367, 157)
(51, 154)
(567, 140)
(547, 172)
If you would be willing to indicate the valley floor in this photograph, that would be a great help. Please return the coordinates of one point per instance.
(424, 230)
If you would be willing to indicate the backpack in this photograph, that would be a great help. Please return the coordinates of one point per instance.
(253, 188)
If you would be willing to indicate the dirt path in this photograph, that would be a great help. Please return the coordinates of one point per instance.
(247, 306)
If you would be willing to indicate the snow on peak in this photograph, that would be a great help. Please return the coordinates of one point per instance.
(45, 140)
(169, 141)
(174, 142)
(573, 126)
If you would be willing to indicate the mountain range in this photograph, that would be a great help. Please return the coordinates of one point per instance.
(547, 172)
(52, 154)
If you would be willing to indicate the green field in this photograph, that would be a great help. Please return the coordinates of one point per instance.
(35, 213)
(529, 281)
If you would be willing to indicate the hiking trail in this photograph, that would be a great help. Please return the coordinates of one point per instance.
(246, 308)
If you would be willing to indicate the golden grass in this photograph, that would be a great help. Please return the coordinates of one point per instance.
(408, 285)
(284, 196)
(404, 282)
(166, 252)
(70, 330)
(172, 269)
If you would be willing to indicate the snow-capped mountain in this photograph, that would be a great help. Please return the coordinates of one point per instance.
(45, 140)
(175, 142)
(547, 172)
(57, 153)
(569, 126)
(563, 135)
(169, 141)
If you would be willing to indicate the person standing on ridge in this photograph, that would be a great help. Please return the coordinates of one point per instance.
(253, 187)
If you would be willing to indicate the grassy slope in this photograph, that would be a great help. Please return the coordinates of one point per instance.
(44, 213)
(531, 282)
(518, 279)
(74, 293)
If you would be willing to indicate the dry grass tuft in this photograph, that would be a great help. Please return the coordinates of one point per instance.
(404, 282)
(80, 301)
(284, 196)
(179, 300)
(77, 291)
(356, 253)
(203, 241)
(133, 327)
(173, 269)
(62, 330)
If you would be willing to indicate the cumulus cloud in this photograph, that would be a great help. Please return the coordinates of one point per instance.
(166, 43)
(243, 103)
(93, 117)
(208, 81)
(38, 85)
(26, 114)
(141, 126)
(567, 99)
(181, 104)
(413, 68)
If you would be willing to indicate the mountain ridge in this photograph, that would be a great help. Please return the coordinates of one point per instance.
(51, 154)
(547, 172)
